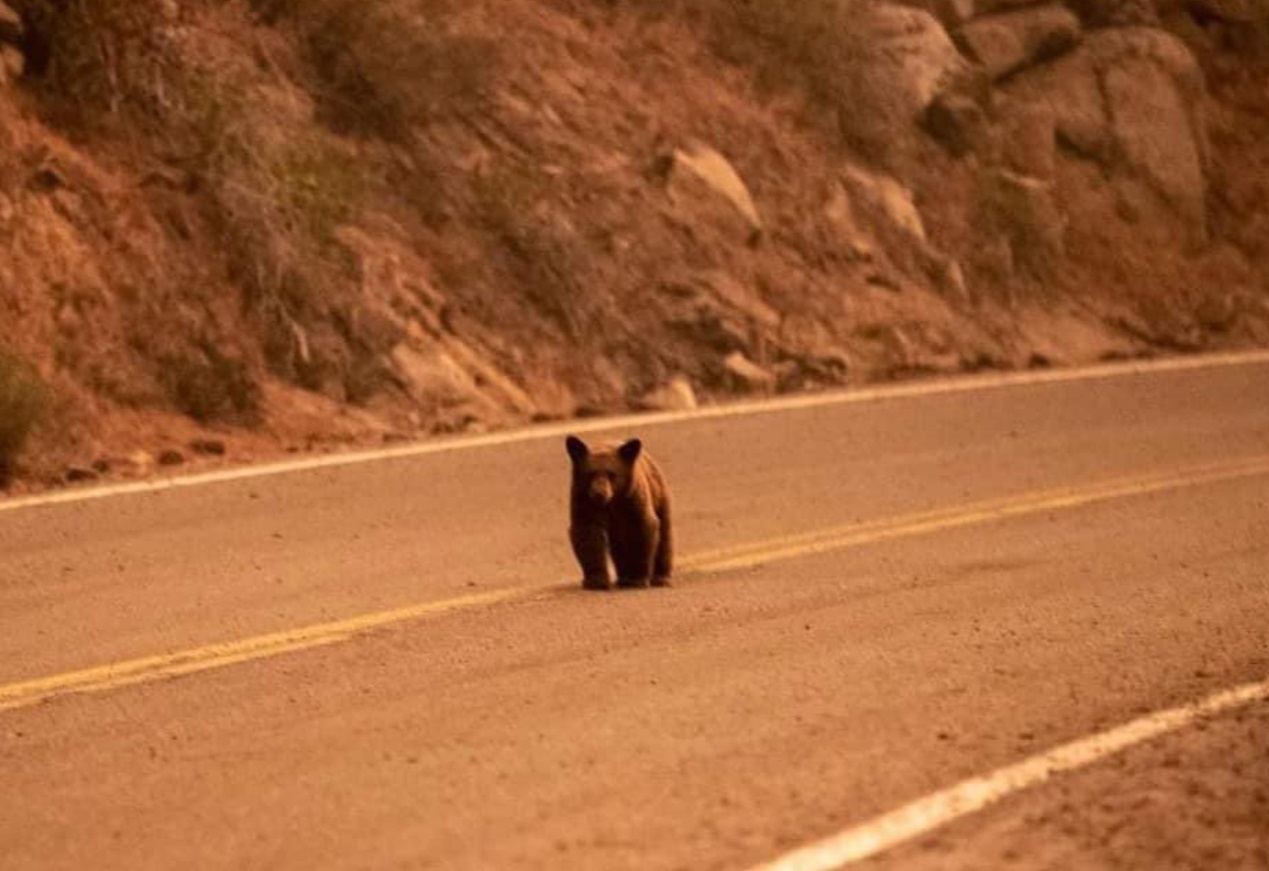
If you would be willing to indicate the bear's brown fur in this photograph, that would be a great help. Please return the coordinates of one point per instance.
(619, 505)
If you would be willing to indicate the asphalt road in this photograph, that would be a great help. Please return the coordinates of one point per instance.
(887, 598)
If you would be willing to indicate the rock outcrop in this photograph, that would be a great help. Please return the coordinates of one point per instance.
(1131, 99)
(699, 177)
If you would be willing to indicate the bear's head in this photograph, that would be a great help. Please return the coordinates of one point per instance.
(603, 473)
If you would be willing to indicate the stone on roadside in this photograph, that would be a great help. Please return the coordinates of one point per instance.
(744, 375)
(675, 395)
(171, 457)
(208, 447)
(79, 474)
(141, 461)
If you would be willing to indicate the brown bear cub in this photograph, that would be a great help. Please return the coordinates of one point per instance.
(620, 505)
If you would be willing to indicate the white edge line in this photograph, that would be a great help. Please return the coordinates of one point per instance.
(926, 814)
(990, 381)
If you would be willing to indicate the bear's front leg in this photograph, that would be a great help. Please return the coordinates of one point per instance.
(634, 547)
(590, 545)
(663, 565)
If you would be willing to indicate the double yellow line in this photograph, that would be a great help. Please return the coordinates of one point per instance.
(162, 666)
(987, 511)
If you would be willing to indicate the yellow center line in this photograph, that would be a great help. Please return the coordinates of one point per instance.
(152, 668)
(854, 535)
(162, 666)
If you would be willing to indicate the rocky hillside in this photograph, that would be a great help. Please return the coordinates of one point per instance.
(235, 228)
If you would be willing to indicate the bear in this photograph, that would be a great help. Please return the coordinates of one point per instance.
(619, 505)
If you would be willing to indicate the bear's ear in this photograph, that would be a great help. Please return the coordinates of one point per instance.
(576, 448)
(630, 451)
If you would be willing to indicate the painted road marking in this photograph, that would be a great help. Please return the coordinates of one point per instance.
(970, 383)
(842, 537)
(161, 666)
(926, 814)
(166, 665)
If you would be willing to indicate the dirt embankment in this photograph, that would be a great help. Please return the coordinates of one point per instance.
(272, 225)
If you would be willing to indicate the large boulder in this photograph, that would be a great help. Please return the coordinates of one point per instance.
(1132, 100)
(912, 52)
(890, 64)
(1153, 126)
(1005, 43)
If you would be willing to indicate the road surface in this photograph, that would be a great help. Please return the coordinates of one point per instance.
(881, 600)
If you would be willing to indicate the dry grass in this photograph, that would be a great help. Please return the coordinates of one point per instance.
(273, 185)
(22, 400)
(210, 387)
(109, 57)
(265, 134)
(811, 46)
(545, 259)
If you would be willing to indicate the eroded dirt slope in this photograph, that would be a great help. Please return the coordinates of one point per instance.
(281, 225)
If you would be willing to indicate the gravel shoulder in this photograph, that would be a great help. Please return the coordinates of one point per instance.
(1197, 798)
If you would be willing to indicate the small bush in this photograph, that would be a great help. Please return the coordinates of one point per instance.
(21, 404)
(386, 67)
(210, 387)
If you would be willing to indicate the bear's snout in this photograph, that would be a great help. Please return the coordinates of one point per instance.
(600, 491)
